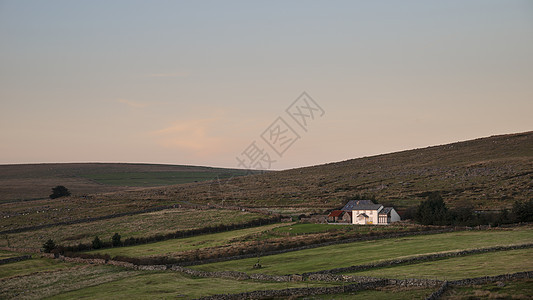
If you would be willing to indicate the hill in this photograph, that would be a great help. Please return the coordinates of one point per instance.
(485, 173)
(22, 182)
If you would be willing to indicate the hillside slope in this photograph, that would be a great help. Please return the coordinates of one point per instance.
(485, 173)
(21, 182)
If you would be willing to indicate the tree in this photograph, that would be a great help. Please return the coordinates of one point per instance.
(97, 243)
(49, 246)
(116, 240)
(523, 211)
(432, 211)
(59, 191)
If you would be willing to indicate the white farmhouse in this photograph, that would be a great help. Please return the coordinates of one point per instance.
(368, 212)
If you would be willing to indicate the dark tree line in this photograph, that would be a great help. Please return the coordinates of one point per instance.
(433, 211)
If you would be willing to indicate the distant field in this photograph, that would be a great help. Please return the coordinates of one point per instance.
(25, 182)
(140, 179)
(161, 222)
(345, 255)
(486, 264)
(177, 245)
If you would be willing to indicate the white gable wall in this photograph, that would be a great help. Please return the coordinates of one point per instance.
(372, 216)
(394, 216)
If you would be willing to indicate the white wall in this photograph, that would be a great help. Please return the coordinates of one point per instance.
(394, 216)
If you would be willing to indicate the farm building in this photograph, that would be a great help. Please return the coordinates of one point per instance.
(339, 216)
(368, 212)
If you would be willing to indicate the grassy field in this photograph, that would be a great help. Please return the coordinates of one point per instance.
(487, 264)
(38, 285)
(344, 255)
(30, 266)
(170, 285)
(160, 222)
(7, 254)
(177, 245)
(519, 289)
(386, 293)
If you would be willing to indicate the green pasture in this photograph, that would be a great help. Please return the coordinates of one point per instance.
(169, 247)
(344, 255)
(486, 264)
(385, 293)
(172, 285)
(30, 266)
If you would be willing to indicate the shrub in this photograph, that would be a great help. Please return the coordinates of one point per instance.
(49, 246)
(59, 191)
(97, 243)
(115, 240)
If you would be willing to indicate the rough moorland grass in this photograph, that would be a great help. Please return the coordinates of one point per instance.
(172, 285)
(519, 289)
(160, 178)
(7, 254)
(386, 293)
(42, 284)
(31, 266)
(177, 245)
(147, 224)
(487, 264)
(344, 255)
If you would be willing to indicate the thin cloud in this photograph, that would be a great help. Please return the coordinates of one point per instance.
(191, 135)
(132, 103)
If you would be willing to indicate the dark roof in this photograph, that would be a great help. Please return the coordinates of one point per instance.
(385, 211)
(336, 213)
(361, 205)
(363, 214)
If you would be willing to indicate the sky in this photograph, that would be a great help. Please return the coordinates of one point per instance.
(221, 83)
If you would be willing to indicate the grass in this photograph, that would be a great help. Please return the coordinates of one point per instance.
(386, 293)
(487, 264)
(160, 222)
(31, 266)
(42, 284)
(171, 285)
(8, 254)
(177, 245)
(344, 255)
(519, 289)
(141, 179)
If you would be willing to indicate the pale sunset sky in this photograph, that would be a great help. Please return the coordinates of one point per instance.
(196, 82)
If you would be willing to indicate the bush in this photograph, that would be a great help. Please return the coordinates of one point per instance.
(115, 240)
(523, 211)
(49, 246)
(433, 211)
(59, 191)
(97, 243)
